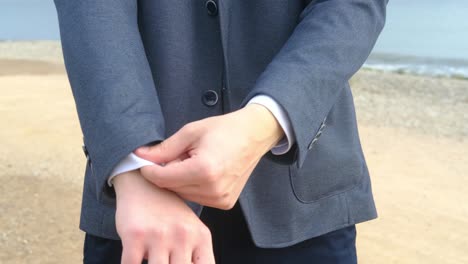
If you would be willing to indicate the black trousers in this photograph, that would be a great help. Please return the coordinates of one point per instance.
(233, 244)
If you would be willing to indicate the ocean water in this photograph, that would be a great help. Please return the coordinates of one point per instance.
(421, 36)
(427, 37)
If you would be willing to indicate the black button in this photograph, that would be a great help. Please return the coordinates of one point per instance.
(211, 7)
(210, 98)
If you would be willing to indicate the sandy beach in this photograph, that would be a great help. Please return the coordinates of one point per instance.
(414, 131)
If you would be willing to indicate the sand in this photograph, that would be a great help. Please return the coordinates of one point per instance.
(414, 132)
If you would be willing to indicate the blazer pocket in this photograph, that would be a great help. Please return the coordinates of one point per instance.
(328, 170)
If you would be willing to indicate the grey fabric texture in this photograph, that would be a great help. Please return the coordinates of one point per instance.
(138, 71)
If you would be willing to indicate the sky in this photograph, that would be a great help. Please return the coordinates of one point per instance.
(425, 28)
(28, 20)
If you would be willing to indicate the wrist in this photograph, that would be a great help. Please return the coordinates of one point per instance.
(123, 182)
(265, 126)
(128, 183)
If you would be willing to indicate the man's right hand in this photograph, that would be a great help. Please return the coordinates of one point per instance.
(157, 225)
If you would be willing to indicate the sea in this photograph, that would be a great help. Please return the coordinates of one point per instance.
(427, 37)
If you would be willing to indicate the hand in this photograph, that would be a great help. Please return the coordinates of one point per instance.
(209, 161)
(157, 225)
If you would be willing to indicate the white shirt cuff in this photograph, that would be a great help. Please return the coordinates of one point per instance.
(133, 162)
(129, 163)
(284, 145)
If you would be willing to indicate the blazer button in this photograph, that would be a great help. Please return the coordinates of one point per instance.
(211, 7)
(210, 98)
(312, 143)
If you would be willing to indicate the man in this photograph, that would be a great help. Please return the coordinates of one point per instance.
(235, 105)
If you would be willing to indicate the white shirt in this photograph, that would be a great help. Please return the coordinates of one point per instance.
(133, 162)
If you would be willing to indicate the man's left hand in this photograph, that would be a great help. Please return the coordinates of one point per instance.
(209, 161)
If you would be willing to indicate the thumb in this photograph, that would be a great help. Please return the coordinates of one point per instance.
(166, 151)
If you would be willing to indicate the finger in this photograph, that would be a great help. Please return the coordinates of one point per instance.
(210, 201)
(201, 191)
(196, 193)
(200, 200)
(202, 196)
(193, 189)
(169, 149)
(180, 256)
(175, 174)
(182, 157)
(203, 254)
(179, 159)
(158, 256)
(132, 255)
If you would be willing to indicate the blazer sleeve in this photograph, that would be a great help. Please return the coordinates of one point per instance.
(331, 41)
(111, 81)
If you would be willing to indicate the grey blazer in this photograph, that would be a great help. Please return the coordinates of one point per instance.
(140, 70)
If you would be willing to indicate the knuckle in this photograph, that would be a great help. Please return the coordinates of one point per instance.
(226, 203)
(204, 233)
(188, 128)
(134, 233)
(211, 171)
(158, 233)
(218, 193)
(184, 232)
